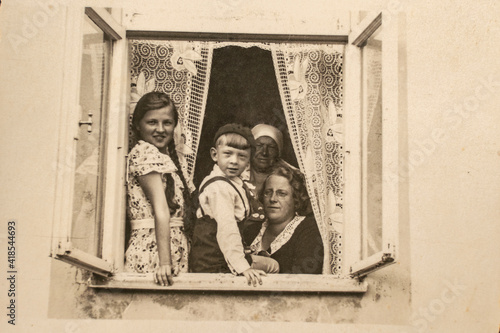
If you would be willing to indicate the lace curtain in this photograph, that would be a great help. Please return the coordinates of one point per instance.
(310, 79)
(181, 70)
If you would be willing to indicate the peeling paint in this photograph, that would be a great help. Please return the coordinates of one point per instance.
(102, 305)
(84, 302)
(72, 297)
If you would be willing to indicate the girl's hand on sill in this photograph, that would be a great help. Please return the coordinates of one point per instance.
(163, 275)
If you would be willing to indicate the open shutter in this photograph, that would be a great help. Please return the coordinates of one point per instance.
(89, 138)
(373, 51)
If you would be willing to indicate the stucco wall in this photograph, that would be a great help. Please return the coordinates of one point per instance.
(386, 302)
(451, 197)
(30, 66)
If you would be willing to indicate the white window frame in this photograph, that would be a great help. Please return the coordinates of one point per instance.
(113, 241)
(360, 266)
(113, 206)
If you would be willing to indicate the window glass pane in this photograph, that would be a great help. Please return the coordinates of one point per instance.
(372, 144)
(362, 15)
(88, 187)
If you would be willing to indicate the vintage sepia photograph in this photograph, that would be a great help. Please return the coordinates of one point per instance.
(250, 166)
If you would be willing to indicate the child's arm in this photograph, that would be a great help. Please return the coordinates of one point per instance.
(219, 198)
(152, 186)
(253, 276)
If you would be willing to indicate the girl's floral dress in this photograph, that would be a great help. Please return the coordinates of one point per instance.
(141, 255)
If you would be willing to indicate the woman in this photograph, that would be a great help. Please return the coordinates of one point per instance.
(288, 236)
(268, 154)
(269, 145)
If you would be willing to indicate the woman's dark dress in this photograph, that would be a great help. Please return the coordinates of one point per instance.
(303, 253)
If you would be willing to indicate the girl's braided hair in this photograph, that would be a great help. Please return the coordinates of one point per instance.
(155, 101)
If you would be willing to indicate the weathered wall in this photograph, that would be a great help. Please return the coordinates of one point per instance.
(454, 88)
(387, 293)
(451, 197)
(30, 67)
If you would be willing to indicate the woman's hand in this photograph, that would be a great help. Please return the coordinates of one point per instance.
(163, 275)
(253, 276)
(267, 264)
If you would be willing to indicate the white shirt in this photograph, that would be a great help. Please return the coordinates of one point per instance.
(220, 201)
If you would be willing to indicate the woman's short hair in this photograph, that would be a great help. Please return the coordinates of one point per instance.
(302, 202)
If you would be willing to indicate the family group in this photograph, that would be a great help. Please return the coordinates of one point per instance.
(251, 215)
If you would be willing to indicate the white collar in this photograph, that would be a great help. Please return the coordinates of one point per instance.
(280, 240)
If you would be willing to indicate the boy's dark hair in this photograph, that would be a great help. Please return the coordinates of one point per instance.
(241, 130)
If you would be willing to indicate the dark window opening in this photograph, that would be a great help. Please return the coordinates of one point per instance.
(243, 89)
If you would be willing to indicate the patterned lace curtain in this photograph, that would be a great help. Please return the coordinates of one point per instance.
(180, 69)
(310, 79)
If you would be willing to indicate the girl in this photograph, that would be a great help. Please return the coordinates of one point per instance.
(155, 193)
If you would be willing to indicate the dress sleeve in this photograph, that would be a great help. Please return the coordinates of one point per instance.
(146, 158)
(309, 253)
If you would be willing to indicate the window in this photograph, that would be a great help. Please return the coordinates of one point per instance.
(90, 159)
(372, 236)
(355, 205)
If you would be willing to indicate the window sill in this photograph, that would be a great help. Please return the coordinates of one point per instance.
(229, 282)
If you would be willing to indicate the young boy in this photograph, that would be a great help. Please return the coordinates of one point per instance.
(218, 237)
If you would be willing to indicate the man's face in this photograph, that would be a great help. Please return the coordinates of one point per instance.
(266, 154)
